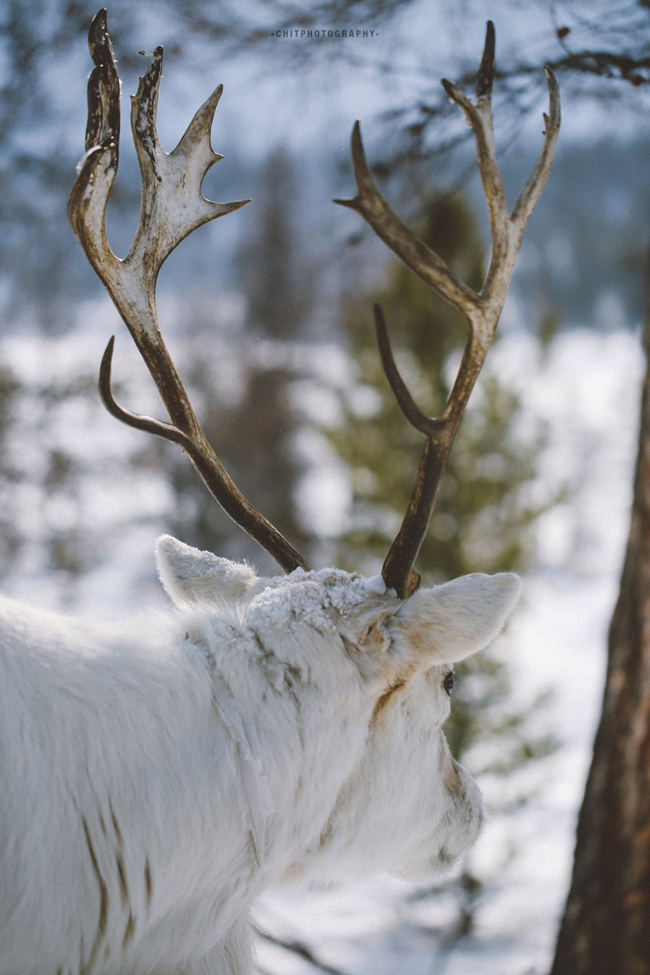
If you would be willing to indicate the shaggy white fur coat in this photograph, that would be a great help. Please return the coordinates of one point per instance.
(156, 775)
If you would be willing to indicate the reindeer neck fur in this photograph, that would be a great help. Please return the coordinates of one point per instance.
(187, 758)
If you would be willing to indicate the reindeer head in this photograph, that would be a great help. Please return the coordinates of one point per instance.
(406, 806)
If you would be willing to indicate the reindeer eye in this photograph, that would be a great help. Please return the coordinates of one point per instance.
(448, 683)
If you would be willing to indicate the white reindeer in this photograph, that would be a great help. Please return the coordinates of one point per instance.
(158, 774)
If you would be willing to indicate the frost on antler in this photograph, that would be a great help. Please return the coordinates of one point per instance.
(481, 309)
(172, 206)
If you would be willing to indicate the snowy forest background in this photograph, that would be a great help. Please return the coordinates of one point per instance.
(267, 313)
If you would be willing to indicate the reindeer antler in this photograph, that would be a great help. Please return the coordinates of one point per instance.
(172, 207)
(482, 309)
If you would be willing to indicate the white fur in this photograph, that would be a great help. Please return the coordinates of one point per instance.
(156, 775)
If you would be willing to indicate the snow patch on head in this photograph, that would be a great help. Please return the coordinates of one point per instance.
(297, 571)
(321, 599)
(376, 584)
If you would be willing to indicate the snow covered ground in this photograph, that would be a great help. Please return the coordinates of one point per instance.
(587, 389)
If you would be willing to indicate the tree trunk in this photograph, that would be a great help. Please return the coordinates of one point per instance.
(606, 925)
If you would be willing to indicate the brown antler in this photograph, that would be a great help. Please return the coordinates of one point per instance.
(172, 207)
(481, 309)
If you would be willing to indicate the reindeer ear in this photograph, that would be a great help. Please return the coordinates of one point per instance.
(450, 622)
(191, 577)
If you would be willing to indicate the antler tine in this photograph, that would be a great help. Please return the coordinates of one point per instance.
(425, 424)
(103, 125)
(482, 310)
(393, 231)
(530, 194)
(208, 465)
(479, 117)
(485, 76)
(147, 423)
(172, 207)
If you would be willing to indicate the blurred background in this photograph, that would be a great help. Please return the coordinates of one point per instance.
(268, 315)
